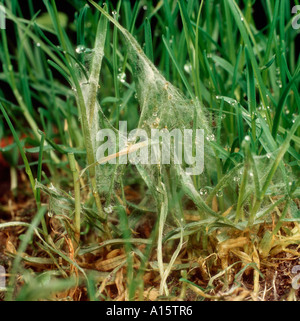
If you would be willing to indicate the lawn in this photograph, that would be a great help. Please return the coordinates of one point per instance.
(149, 150)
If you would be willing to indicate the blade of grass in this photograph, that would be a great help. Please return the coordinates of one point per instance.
(244, 32)
(76, 183)
(251, 93)
(21, 149)
(148, 39)
(282, 101)
(22, 248)
(184, 80)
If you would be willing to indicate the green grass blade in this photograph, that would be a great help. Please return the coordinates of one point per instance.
(148, 39)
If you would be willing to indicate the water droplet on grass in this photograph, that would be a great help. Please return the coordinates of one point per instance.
(80, 49)
(108, 209)
(187, 68)
(219, 193)
(203, 191)
(211, 138)
(121, 76)
(279, 83)
(247, 138)
(156, 122)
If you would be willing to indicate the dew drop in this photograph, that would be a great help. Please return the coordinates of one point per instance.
(247, 138)
(145, 7)
(219, 193)
(80, 49)
(108, 209)
(203, 191)
(121, 76)
(279, 83)
(187, 68)
(210, 138)
(38, 44)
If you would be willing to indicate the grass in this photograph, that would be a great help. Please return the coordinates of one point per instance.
(138, 232)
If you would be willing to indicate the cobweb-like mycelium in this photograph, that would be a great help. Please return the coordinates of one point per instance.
(162, 106)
